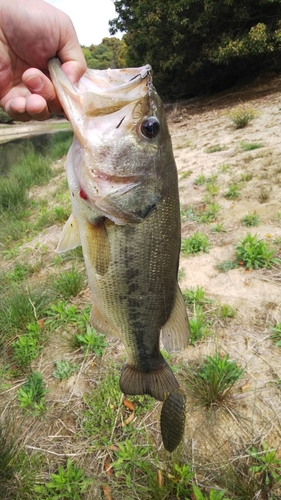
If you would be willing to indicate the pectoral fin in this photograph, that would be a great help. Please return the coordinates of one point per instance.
(175, 332)
(97, 246)
(100, 324)
(70, 236)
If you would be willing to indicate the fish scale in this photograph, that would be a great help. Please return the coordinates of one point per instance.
(123, 182)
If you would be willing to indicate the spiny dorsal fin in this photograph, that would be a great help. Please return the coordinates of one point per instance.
(70, 236)
(175, 332)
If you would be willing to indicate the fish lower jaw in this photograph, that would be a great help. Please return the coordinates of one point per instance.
(157, 383)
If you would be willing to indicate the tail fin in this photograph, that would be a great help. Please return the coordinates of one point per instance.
(157, 383)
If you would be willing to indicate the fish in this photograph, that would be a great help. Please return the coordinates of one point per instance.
(123, 185)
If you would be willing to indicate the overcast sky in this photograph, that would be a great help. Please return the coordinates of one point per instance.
(90, 18)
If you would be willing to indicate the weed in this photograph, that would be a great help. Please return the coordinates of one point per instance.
(226, 311)
(195, 297)
(242, 116)
(266, 465)
(213, 495)
(264, 194)
(233, 192)
(215, 149)
(246, 177)
(26, 347)
(64, 369)
(224, 167)
(185, 174)
(250, 146)
(213, 189)
(68, 484)
(196, 243)
(181, 273)
(201, 179)
(251, 219)
(63, 314)
(218, 228)
(226, 265)
(254, 253)
(91, 341)
(210, 383)
(69, 284)
(32, 394)
(210, 213)
(276, 334)
(198, 324)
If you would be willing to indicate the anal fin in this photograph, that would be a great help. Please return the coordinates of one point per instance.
(175, 332)
(100, 324)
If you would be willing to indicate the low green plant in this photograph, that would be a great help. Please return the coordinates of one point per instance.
(215, 149)
(246, 177)
(31, 395)
(242, 116)
(226, 265)
(266, 465)
(196, 243)
(210, 213)
(213, 495)
(250, 146)
(211, 382)
(64, 369)
(195, 297)
(254, 253)
(185, 174)
(62, 313)
(218, 228)
(224, 167)
(91, 341)
(198, 325)
(233, 192)
(251, 219)
(70, 483)
(276, 334)
(201, 179)
(26, 347)
(226, 311)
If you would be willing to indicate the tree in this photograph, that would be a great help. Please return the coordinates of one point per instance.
(196, 45)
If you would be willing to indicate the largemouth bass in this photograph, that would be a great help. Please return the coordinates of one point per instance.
(123, 183)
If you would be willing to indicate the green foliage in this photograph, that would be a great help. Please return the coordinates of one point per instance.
(195, 297)
(31, 395)
(266, 465)
(91, 341)
(213, 495)
(196, 243)
(228, 39)
(250, 146)
(27, 347)
(198, 325)
(68, 484)
(68, 284)
(255, 253)
(250, 220)
(210, 383)
(276, 334)
(233, 192)
(108, 54)
(64, 369)
(63, 314)
(226, 265)
(242, 116)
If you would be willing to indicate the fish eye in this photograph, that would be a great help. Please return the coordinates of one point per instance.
(150, 127)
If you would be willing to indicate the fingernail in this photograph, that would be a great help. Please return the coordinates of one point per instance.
(35, 83)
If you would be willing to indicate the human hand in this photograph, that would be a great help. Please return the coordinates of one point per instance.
(31, 33)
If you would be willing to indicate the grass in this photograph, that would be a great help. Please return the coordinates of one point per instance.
(31, 395)
(211, 382)
(64, 369)
(68, 284)
(233, 192)
(250, 146)
(226, 265)
(276, 334)
(91, 341)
